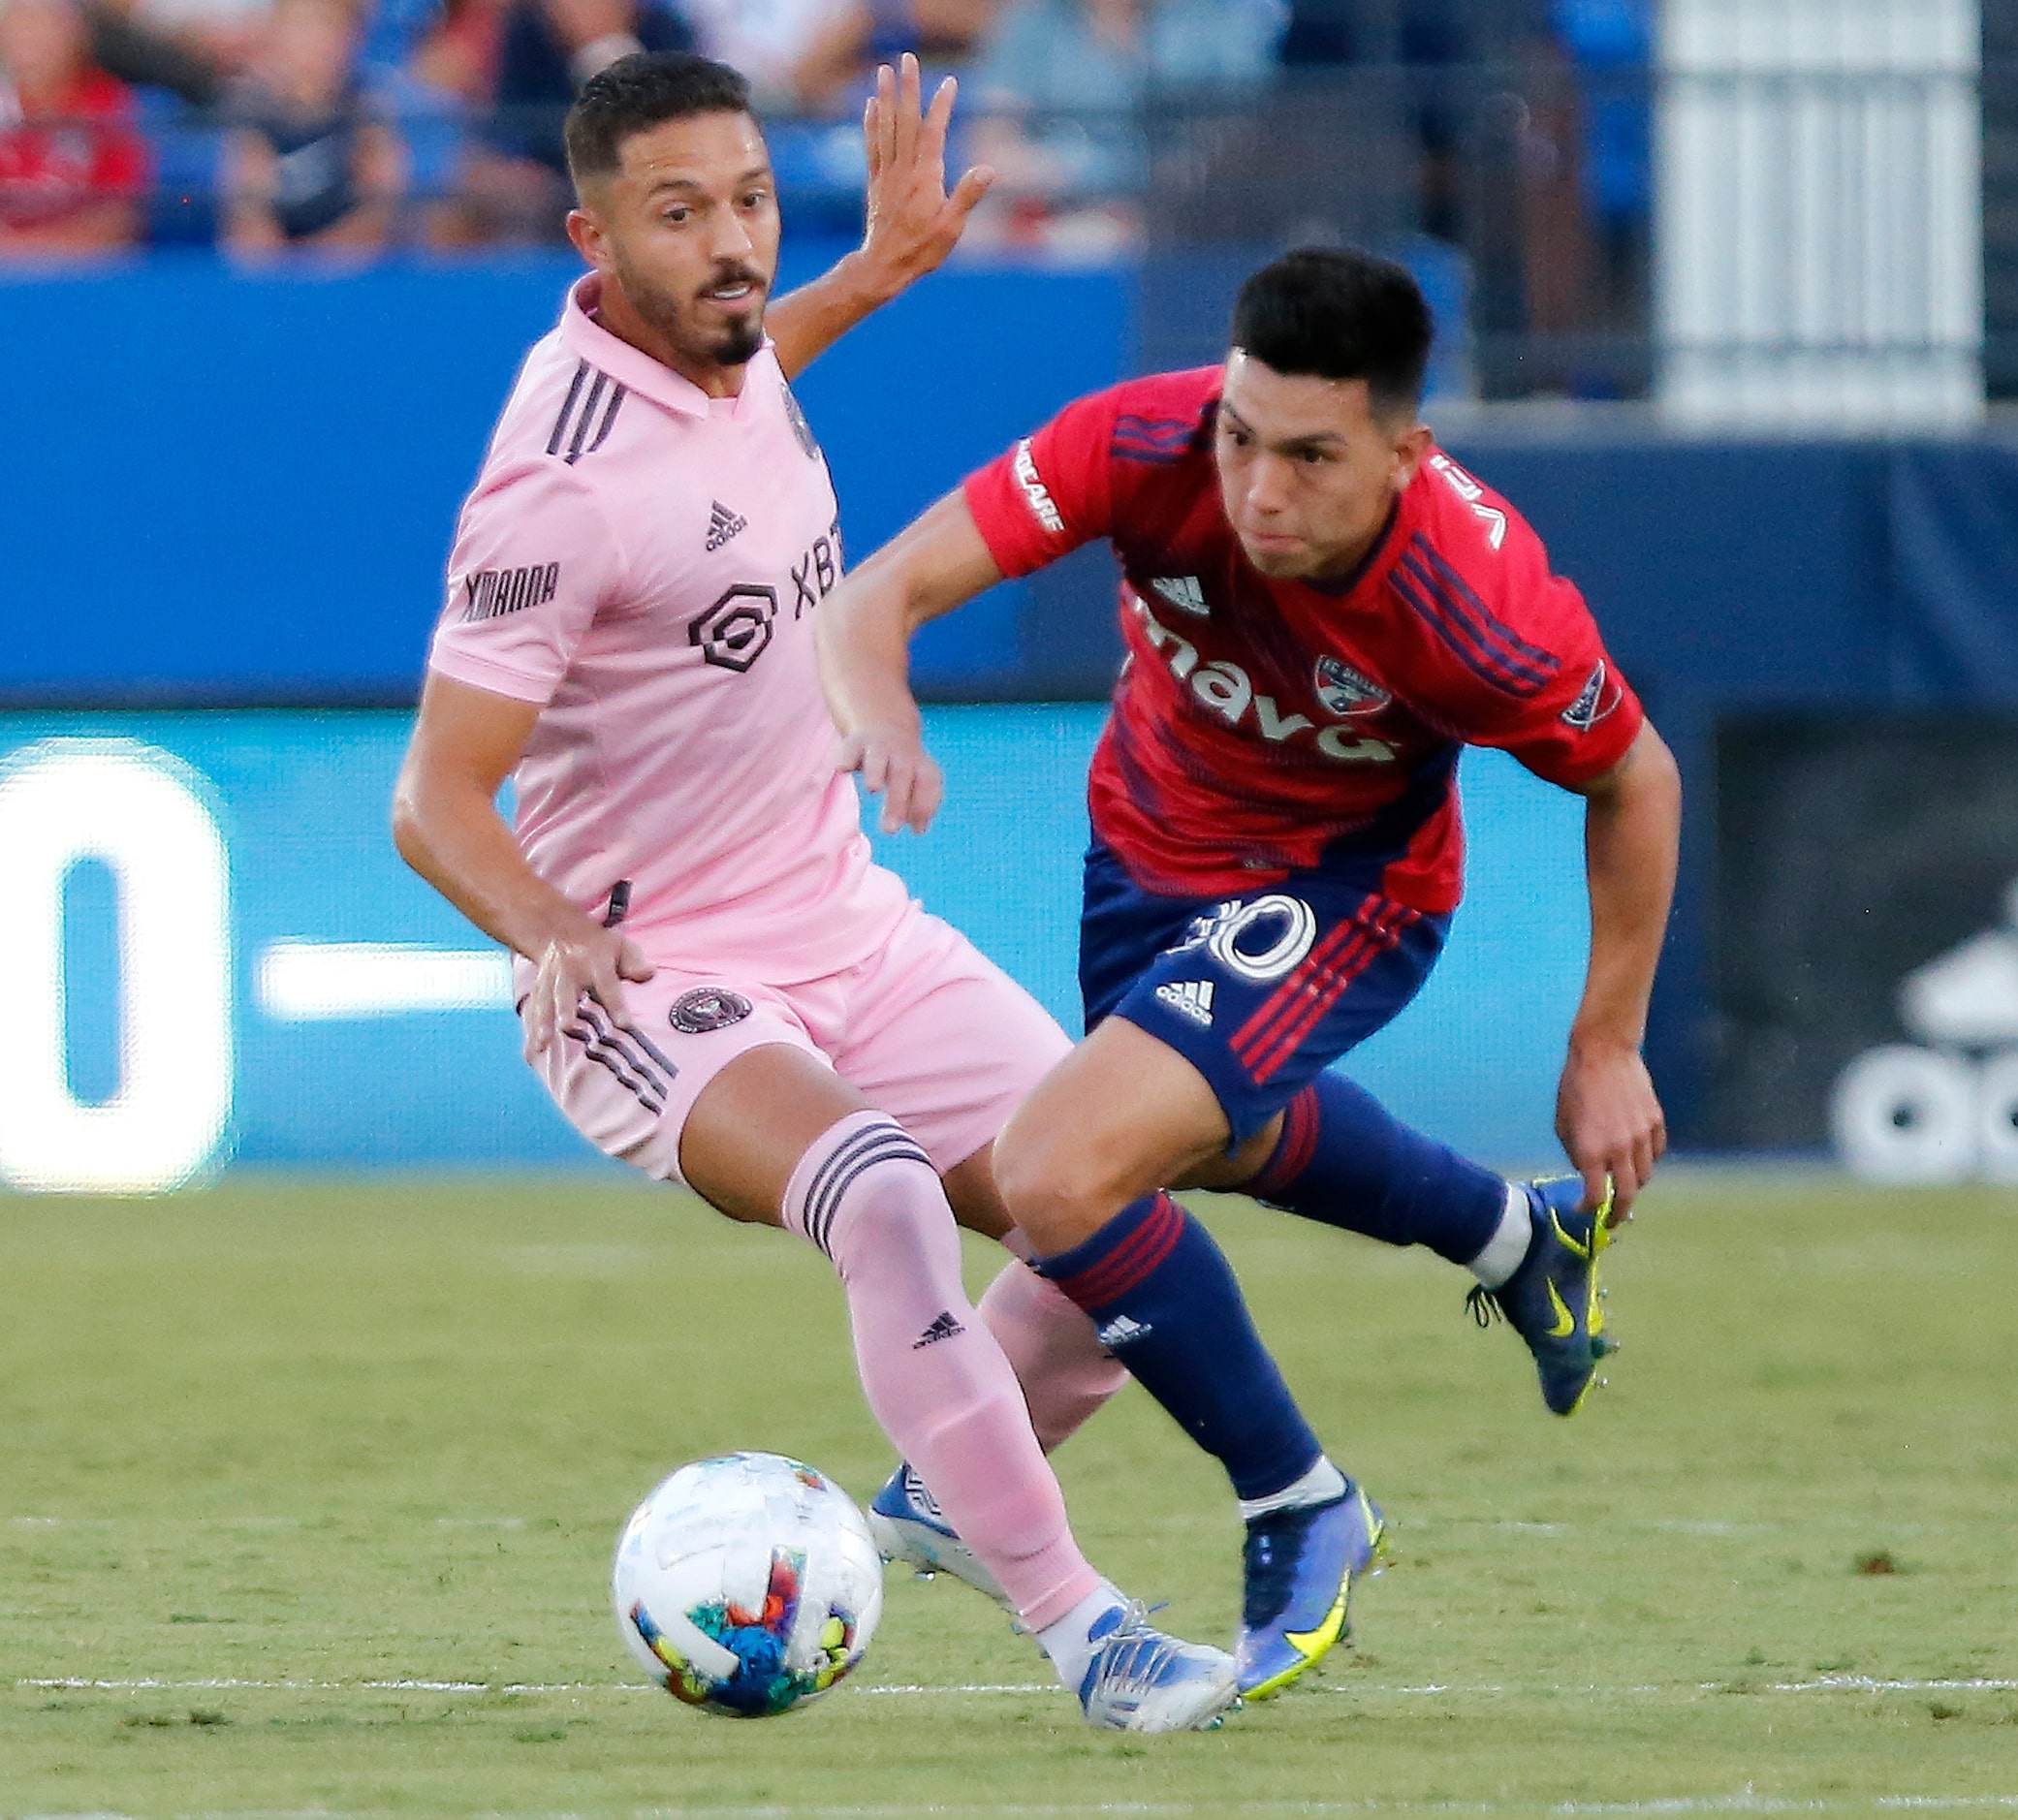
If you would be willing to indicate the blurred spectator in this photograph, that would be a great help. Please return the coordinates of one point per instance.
(223, 34)
(309, 164)
(1414, 118)
(1611, 44)
(144, 56)
(1563, 280)
(1376, 31)
(1062, 85)
(807, 56)
(72, 167)
(458, 55)
(519, 63)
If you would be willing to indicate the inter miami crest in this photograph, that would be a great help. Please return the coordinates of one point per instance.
(707, 1008)
(801, 428)
(1344, 691)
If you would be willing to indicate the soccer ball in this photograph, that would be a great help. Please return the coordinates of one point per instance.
(747, 1584)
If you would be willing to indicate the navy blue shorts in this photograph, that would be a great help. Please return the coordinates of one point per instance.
(1260, 993)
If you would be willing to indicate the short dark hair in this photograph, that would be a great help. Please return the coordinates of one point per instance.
(1339, 313)
(638, 92)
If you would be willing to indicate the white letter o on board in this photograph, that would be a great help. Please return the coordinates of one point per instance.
(139, 812)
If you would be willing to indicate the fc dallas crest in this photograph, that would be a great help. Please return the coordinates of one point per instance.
(1344, 691)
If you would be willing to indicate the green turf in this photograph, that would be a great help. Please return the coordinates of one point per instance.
(317, 1441)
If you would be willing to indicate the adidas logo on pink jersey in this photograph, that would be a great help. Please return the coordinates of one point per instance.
(723, 524)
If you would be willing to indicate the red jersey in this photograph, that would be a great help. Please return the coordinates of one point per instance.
(1263, 727)
(57, 160)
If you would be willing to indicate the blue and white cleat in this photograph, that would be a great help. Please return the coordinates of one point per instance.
(908, 1525)
(1300, 1567)
(1141, 1681)
(1553, 1300)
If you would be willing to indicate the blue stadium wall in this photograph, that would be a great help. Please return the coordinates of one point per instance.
(219, 490)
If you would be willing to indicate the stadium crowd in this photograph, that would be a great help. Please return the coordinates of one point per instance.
(344, 128)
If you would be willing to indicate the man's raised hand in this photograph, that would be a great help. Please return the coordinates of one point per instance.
(913, 223)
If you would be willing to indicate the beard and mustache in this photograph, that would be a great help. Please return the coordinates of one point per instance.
(735, 343)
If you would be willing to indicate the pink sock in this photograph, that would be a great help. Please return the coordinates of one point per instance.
(934, 1375)
(1064, 1371)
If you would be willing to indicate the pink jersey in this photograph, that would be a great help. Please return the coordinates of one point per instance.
(643, 561)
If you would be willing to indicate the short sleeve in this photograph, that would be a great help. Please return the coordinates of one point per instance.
(1579, 723)
(1050, 493)
(533, 559)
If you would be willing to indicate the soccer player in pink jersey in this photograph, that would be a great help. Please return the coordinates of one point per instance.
(718, 984)
(1321, 610)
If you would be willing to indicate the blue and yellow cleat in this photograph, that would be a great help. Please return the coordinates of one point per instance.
(1300, 1567)
(1553, 1300)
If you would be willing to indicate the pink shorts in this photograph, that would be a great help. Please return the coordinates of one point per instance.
(927, 1029)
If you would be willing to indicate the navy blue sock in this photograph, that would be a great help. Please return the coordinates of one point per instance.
(1345, 1160)
(1167, 1307)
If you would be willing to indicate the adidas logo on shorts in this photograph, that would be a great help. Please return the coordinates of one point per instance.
(723, 524)
(1192, 998)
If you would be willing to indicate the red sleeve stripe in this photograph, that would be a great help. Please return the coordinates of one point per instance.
(1488, 649)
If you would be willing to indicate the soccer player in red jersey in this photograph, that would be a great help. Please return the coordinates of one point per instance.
(1321, 610)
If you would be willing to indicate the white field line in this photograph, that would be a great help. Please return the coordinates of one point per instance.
(1744, 1802)
(1831, 1683)
(618, 1256)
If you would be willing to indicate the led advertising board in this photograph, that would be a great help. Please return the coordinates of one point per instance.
(218, 960)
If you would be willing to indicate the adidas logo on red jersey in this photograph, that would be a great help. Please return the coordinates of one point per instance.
(1183, 592)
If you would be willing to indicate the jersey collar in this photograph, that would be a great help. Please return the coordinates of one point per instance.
(631, 367)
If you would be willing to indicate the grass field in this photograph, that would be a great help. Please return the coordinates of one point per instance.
(307, 1494)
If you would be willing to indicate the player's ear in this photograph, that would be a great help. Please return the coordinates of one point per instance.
(585, 233)
(1412, 447)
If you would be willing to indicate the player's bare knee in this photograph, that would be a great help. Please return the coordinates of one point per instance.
(1050, 1188)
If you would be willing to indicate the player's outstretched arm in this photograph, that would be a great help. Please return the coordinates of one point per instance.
(863, 636)
(446, 826)
(912, 222)
(1606, 1113)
